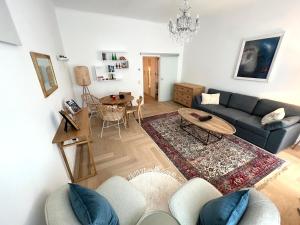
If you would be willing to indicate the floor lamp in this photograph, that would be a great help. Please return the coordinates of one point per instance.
(82, 78)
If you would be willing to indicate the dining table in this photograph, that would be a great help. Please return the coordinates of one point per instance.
(116, 100)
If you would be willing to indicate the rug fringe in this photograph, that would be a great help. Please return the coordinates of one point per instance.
(158, 170)
(273, 175)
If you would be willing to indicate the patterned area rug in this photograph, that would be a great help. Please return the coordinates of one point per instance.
(229, 164)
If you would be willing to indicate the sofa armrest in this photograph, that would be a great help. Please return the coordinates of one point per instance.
(187, 202)
(196, 101)
(286, 122)
(282, 138)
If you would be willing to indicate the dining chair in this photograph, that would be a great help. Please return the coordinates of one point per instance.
(135, 109)
(92, 102)
(112, 116)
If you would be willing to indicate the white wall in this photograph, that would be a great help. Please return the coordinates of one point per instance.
(31, 166)
(211, 57)
(84, 34)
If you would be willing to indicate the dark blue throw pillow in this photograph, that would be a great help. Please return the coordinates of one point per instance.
(90, 207)
(226, 210)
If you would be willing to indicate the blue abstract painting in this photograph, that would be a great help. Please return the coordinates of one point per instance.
(257, 58)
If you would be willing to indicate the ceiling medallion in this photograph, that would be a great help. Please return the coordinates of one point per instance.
(185, 26)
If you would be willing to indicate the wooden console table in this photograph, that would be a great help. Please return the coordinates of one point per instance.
(76, 137)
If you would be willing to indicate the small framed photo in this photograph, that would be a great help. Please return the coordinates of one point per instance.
(72, 106)
(69, 120)
(257, 56)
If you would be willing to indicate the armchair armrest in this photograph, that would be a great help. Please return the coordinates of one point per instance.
(186, 203)
(286, 122)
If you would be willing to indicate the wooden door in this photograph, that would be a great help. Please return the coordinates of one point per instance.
(150, 73)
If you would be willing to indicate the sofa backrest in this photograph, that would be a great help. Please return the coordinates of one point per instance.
(224, 95)
(243, 102)
(265, 106)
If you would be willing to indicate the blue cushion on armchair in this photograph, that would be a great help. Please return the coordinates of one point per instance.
(90, 207)
(226, 210)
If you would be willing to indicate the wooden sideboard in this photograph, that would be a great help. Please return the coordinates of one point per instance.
(184, 93)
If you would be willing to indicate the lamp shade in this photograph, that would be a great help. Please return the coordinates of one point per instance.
(82, 75)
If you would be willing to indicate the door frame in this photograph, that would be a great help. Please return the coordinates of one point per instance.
(152, 54)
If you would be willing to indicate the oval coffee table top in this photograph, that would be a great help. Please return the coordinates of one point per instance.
(107, 100)
(216, 124)
(158, 218)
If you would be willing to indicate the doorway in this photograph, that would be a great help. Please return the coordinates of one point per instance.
(159, 76)
(151, 78)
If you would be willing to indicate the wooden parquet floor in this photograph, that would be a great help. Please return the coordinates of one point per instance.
(136, 150)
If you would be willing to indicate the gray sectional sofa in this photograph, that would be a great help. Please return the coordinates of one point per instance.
(245, 113)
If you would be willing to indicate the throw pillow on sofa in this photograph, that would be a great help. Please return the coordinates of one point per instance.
(276, 115)
(210, 99)
(90, 207)
(226, 210)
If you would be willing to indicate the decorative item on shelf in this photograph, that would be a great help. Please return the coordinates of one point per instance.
(45, 72)
(62, 58)
(184, 27)
(122, 58)
(72, 106)
(68, 120)
(114, 56)
(82, 78)
(103, 56)
(124, 65)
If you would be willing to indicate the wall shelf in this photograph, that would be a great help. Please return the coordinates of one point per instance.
(113, 65)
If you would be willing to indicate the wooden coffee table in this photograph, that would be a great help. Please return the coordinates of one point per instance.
(216, 126)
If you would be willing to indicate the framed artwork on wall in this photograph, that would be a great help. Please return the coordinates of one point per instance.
(44, 70)
(257, 57)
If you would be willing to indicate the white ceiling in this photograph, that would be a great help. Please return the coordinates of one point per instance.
(153, 10)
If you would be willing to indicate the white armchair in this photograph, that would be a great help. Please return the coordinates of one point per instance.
(186, 203)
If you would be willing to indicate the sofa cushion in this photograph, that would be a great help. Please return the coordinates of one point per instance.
(265, 106)
(211, 108)
(224, 95)
(253, 124)
(226, 210)
(243, 102)
(210, 99)
(127, 201)
(90, 207)
(274, 116)
(230, 115)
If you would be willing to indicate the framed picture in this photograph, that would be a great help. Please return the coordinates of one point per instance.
(72, 106)
(44, 70)
(69, 120)
(257, 57)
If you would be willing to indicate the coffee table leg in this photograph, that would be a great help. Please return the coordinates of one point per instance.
(203, 141)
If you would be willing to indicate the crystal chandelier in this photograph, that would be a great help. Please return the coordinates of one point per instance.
(185, 26)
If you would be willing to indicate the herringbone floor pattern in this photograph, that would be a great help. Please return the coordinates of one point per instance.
(136, 150)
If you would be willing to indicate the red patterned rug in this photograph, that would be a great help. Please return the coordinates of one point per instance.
(229, 164)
